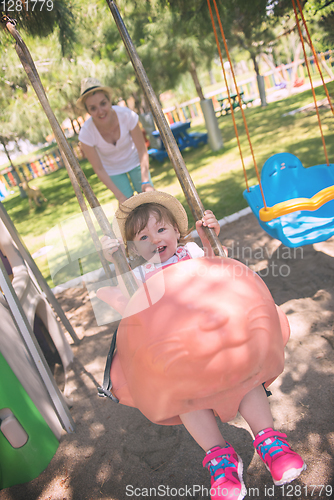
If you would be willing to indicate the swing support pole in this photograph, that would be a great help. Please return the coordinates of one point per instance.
(166, 134)
(73, 168)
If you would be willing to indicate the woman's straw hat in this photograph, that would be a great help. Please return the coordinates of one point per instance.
(164, 199)
(88, 87)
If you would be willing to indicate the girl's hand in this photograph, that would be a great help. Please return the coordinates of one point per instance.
(208, 220)
(109, 247)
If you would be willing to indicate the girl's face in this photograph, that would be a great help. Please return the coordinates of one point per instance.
(99, 107)
(157, 242)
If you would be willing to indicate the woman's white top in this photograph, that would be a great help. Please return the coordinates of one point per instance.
(117, 159)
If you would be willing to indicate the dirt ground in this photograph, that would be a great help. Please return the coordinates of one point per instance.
(116, 453)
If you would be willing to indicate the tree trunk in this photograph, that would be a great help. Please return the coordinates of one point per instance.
(74, 113)
(260, 81)
(73, 127)
(212, 77)
(295, 66)
(137, 98)
(256, 66)
(15, 173)
(194, 75)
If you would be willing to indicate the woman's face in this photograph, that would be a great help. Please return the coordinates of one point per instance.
(99, 107)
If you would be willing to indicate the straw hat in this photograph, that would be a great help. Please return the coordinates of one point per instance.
(164, 199)
(88, 87)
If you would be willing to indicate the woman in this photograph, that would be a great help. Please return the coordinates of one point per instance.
(113, 142)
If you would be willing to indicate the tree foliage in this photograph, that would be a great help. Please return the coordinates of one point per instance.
(319, 17)
(43, 19)
(172, 37)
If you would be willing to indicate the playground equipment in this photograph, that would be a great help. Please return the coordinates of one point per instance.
(27, 443)
(300, 200)
(33, 303)
(80, 182)
(33, 411)
(291, 191)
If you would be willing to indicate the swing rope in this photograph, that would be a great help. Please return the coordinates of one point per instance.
(239, 97)
(228, 93)
(309, 73)
(315, 55)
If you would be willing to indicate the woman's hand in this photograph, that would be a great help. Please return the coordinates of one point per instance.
(147, 187)
(109, 247)
(121, 199)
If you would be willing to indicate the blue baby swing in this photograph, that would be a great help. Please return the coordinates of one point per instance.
(292, 204)
(300, 208)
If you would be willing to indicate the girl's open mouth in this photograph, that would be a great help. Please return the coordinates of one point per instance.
(160, 249)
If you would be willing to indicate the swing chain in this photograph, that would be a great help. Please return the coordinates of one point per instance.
(5, 19)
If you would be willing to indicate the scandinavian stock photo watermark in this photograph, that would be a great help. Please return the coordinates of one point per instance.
(265, 261)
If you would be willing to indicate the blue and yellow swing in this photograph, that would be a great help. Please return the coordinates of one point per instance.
(300, 201)
(292, 204)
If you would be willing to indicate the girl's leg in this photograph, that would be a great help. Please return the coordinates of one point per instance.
(202, 426)
(135, 175)
(284, 464)
(123, 183)
(255, 409)
(223, 463)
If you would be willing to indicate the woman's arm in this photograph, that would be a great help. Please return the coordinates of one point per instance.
(94, 159)
(138, 139)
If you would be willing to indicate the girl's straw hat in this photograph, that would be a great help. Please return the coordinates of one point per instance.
(88, 87)
(164, 199)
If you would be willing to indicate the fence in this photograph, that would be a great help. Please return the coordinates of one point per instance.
(273, 79)
(44, 165)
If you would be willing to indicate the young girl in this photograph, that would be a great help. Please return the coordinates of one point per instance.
(154, 226)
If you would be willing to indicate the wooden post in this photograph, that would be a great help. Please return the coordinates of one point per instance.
(166, 134)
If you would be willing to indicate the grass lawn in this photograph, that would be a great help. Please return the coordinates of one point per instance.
(218, 176)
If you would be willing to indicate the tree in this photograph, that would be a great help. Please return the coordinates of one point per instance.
(7, 134)
(44, 20)
(319, 16)
(174, 41)
(246, 24)
(22, 116)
